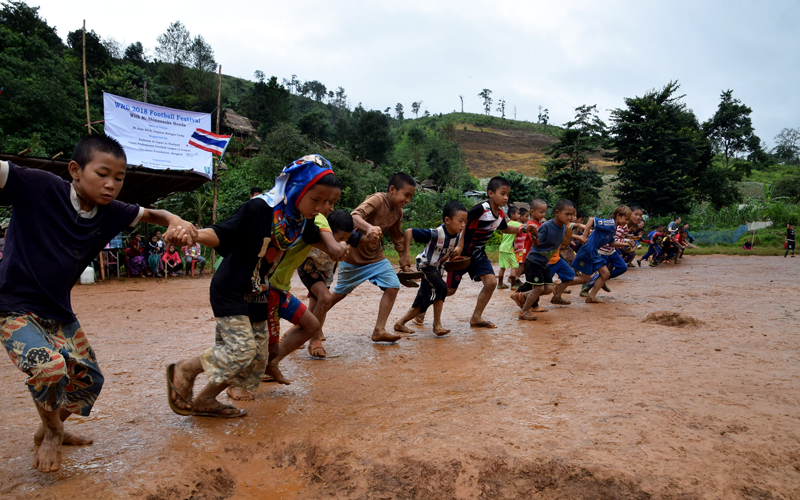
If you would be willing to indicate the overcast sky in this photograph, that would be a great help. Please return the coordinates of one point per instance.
(559, 55)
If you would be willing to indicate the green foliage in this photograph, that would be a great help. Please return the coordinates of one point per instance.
(568, 169)
(268, 103)
(524, 189)
(787, 147)
(665, 158)
(788, 187)
(372, 137)
(42, 95)
(316, 125)
(425, 209)
(731, 133)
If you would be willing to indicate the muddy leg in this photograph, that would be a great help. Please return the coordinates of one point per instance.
(47, 454)
(379, 334)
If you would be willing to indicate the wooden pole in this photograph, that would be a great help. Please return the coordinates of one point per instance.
(144, 92)
(216, 164)
(85, 86)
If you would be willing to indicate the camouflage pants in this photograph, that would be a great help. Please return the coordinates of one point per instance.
(240, 354)
(61, 366)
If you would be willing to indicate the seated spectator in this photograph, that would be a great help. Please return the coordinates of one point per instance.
(172, 261)
(191, 253)
(154, 252)
(748, 245)
(136, 259)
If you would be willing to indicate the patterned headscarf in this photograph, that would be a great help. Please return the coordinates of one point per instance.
(295, 180)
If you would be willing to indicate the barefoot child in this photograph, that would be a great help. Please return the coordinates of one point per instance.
(507, 258)
(317, 269)
(588, 260)
(482, 221)
(614, 261)
(538, 277)
(380, 213)
(522, 245)
(441, 243)
(253, 240)
(56, 229)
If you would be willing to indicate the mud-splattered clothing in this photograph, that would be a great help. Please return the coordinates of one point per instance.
(61, 366)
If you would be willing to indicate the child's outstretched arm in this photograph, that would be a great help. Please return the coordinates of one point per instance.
(330, 246)
(370, 232)
(208, 238)
(179, 231)
(398, 240)
(408, 235)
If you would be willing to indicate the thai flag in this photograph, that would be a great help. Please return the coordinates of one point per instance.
(213, 143)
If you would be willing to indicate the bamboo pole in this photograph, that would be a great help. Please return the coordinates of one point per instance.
(216, 164)
(144, 92)
(85, 86)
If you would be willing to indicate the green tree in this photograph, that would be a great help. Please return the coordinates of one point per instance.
(373, 136)
(42, 102)
(486, 95)
(568, 169)
(415, 108)
(201, 55)
(134, 53)
(97, 55)
(787, 147)
(398, 109)
(502, 108)
(268, 103)
(661, 151)
(316, 89)
(316, 125)
(174, 44)
(524, 189)
(731, 132)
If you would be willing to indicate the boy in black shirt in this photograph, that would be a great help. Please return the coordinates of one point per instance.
(56, 229)
(789, 240)
(248, 311)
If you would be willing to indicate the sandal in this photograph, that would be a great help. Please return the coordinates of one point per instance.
(527, 316)
(316, 350)
(171, 389)
(218, 413)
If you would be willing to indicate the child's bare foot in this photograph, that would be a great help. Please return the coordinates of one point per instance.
(538, 309)
(47, 455)
(240, 394)
(315, 349)
(276, 374)
(399, 327)
(183, 383)
(560, 301)
(594, 300)
(439, 330)
(68, 439)
(384, 336)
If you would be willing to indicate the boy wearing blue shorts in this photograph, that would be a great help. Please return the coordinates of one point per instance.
(377, 215)
(247, 310)
(482, 221)
(56, 229)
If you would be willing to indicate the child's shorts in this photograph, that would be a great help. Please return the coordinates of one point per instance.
(380, 274)
(311, 279)
(562, 269)
(478, 267)
(587, 263)
(508, 260)
(61, 366)
(537, 275)
(431, 289)
(279, 305)
(520, 258)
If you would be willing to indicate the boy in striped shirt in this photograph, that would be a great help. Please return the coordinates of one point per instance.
(441, 243)
(482, 221)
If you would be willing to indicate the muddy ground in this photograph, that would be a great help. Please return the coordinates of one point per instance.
(588, 402)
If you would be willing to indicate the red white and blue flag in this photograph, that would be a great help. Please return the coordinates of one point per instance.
(213, 143)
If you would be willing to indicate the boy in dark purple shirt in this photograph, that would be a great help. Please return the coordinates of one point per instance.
(56, 229)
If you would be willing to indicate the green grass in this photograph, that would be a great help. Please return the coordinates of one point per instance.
(735, 250)
(773, 173)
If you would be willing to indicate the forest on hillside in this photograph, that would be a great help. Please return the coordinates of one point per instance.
(669, 161)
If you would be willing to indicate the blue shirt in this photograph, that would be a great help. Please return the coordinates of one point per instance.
(50, 241)
(551, 235)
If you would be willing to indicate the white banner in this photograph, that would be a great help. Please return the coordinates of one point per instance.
(157, 137)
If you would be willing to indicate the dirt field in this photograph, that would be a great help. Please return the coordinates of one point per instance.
(491, 151)
(588, 402)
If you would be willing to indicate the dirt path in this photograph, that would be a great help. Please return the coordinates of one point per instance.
(588, 402)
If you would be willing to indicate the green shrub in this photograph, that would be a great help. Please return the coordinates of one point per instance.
(788, 187)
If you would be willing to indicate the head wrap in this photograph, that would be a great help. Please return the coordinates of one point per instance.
(295, 180)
